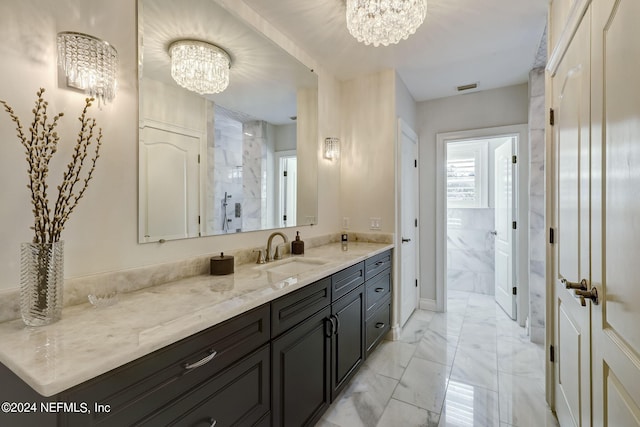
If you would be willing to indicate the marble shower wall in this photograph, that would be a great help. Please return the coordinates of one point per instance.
(254, 175)
(537, 231)
(470, 254)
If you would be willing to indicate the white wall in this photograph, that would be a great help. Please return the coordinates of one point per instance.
(368, 151)
(405, 104)
(498, 107)
(102, 233)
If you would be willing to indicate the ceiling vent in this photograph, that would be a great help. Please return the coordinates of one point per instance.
(467, 87)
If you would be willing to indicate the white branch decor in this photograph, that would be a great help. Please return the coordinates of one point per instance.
(40, 142)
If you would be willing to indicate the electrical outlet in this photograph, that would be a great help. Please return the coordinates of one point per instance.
(345, 223)
(374, 223)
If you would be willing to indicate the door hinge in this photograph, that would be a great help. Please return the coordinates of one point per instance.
(284, 217)
(415, 163)
(416, 283)
(284, 173)
(514, 159)
(198, 219)
(552, 118)
(552, 354)
(514, 225)
(552, 237)
(415, 223)
(198, 158)
(514, 290)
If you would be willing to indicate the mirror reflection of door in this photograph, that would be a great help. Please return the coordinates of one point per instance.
(287, 189)
(169, 177)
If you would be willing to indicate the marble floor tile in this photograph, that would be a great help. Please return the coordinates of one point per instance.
(403, 414)
(520, 358)
(467, 405)
(469, 367)
(423, 384)
(437, 347)
(363, 401)
(391, 358)
(475, 367)
(522, 402)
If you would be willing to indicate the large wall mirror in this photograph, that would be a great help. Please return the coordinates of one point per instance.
(244, 159)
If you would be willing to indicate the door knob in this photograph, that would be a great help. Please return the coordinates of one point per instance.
(405, 240)
(574, 285)
(584, 294)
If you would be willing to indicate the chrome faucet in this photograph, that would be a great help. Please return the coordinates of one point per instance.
(267, 257)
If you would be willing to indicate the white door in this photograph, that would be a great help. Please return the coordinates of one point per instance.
(408, 251)
(615, 202)
(169, 174)
(572, 325)
(505, 204)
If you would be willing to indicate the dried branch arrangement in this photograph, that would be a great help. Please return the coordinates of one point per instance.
(40, 142)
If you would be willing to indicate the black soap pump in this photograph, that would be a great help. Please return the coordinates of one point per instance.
(297, 246)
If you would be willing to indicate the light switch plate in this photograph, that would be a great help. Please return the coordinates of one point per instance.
(374, 223)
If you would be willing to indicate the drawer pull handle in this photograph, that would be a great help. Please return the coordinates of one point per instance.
(379, 325)
(378, 290)
(213, 422)
(337, 324)
(379, 263)
(332, 327)
(203, 361)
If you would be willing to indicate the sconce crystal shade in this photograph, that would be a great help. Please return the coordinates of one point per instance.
(331, 148)
(199, 67)
(384, 22)
(89, 64)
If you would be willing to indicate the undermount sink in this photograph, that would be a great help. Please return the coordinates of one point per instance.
(292, 266)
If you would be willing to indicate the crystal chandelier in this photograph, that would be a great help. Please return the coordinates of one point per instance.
(89, 63)
(200, 67)
(384, 22)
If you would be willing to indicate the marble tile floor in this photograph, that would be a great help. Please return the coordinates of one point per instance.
(471, 366)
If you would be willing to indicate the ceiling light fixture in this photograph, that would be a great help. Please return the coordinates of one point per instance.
(384, 22)
(89, 64)
(199, 66)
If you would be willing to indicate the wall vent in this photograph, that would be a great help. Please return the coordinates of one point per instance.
(467, 87)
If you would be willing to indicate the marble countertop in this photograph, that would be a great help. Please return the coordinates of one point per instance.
(90, 341)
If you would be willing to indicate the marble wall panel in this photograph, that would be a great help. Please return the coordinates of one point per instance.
(470, 250)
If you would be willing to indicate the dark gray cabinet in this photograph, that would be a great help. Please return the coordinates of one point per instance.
(301, 368)
(347, 339)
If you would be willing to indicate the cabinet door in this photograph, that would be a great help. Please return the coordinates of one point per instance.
(347, 341)
(301, 372)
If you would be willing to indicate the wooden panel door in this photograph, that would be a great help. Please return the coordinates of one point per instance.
(616, 212)
(571, 105)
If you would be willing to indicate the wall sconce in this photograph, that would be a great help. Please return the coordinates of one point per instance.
(331, 148)
(90, 64)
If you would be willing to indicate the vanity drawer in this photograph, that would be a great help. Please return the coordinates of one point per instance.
(292, 309)
(140, 387)
(377, 263)
(238, 396)
(378, 325)
(346, 280)
(376, 290)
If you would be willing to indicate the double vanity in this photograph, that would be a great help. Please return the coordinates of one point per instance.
(271, 344)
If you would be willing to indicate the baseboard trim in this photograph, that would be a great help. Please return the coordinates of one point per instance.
(428, 304)
(394, 333)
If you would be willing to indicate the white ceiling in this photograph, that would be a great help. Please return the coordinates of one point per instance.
(491, 42)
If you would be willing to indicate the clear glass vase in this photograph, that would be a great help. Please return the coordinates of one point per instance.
(41, 282)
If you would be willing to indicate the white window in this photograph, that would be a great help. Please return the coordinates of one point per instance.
(467, 178)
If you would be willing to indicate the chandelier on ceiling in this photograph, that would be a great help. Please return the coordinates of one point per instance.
(200, 67)
(384, 22)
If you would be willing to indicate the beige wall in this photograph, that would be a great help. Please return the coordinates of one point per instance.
(491, 108)
(102, 233)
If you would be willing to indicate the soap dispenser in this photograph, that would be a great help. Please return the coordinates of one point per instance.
(297, 246)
